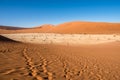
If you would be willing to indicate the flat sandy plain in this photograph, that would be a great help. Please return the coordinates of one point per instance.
(63, 39)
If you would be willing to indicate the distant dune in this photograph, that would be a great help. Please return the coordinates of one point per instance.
(10, 27)
(38, 29)
(70, 28)
(45, 26)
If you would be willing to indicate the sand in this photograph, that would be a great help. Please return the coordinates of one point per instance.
(87, 28)
(64, 39)
(23, 61)
(36, 29)
(69, 51)
(69, 28)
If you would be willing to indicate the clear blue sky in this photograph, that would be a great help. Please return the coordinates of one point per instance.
(29, 13)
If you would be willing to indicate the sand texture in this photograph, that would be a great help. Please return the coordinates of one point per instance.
(23, 61)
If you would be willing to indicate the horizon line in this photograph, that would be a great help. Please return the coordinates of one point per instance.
(61, 23)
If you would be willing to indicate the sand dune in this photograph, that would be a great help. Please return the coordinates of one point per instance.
(54, 56)
(87, 27)
(45, 26)
(73, 28)
(5, 39)
(37, 29)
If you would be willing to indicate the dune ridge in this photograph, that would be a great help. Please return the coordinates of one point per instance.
(87, 27)
(72, 28)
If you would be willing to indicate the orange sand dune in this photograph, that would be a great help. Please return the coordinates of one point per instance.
(38, 29)
(45, 26)
(72, 28)
(87, 27)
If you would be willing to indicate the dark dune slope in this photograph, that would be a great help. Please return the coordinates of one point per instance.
(4, 39)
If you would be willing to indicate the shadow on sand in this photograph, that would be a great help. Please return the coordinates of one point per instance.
(5, 39)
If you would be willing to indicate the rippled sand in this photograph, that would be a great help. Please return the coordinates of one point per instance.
(20, 61)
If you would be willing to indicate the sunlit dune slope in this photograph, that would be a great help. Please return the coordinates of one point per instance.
(38, 29)
(43, 28)
(87, 27)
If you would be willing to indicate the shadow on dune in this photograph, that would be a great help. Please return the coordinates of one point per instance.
(4, 39)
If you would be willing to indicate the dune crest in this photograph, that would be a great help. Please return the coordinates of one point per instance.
(87, 27)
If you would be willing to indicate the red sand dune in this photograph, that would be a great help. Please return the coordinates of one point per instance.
(87, 27)
(72, 27)
(38, 29)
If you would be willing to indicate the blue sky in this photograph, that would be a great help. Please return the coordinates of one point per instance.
(29, 13)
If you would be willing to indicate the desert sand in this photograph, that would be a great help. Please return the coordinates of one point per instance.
(36, 29)
(63, 39)
(25, 61)
(69, 51)
(87, 27)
